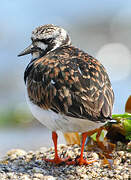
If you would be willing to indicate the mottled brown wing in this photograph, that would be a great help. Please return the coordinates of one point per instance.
(76, 85)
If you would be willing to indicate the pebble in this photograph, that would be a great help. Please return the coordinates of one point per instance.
(38, 170)
(49, 178)
(104, 178)
(11, 175)
(121, 153)
(119, 177)
(25, 177)
(38, 175)
(110, 174)
(18, 152)
(126, 176)
(22, 165)
(117, 161)
(95, 156)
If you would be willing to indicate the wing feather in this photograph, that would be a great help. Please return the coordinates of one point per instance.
(72, 83)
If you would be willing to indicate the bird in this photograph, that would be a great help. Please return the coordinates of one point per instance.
(68, 90)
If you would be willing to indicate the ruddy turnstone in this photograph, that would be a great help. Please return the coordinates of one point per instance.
(67, 89)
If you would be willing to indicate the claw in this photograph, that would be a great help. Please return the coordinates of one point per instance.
(80, 161)
(57, 160)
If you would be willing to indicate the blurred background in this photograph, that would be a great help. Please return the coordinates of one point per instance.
(101, 28)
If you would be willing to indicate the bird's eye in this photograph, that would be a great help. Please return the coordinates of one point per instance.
(49, 39)
(46, 41)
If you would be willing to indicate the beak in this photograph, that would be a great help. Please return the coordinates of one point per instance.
(28, 50)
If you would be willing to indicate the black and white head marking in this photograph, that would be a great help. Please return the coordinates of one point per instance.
(45, 39)
(49, 37)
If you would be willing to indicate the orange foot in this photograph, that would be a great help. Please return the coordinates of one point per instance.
(79, 161)
(57, 160)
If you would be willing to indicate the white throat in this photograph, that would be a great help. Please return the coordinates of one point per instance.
(35, 55)
(40, 45)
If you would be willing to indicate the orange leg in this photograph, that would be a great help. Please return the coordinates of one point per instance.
(57, 159)
(81, 160)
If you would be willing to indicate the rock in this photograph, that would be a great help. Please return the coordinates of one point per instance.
(121, 153)
(126, 176)
(22, 165)
(38, 170)
(95, 156)
(49, 178)
(38, 175)
(14, 153)
(25, 177)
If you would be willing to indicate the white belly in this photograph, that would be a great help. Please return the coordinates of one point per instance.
(63, 123)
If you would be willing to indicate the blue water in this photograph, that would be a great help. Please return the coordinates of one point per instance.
(26, 139)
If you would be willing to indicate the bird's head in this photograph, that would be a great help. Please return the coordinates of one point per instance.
(46, 38)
